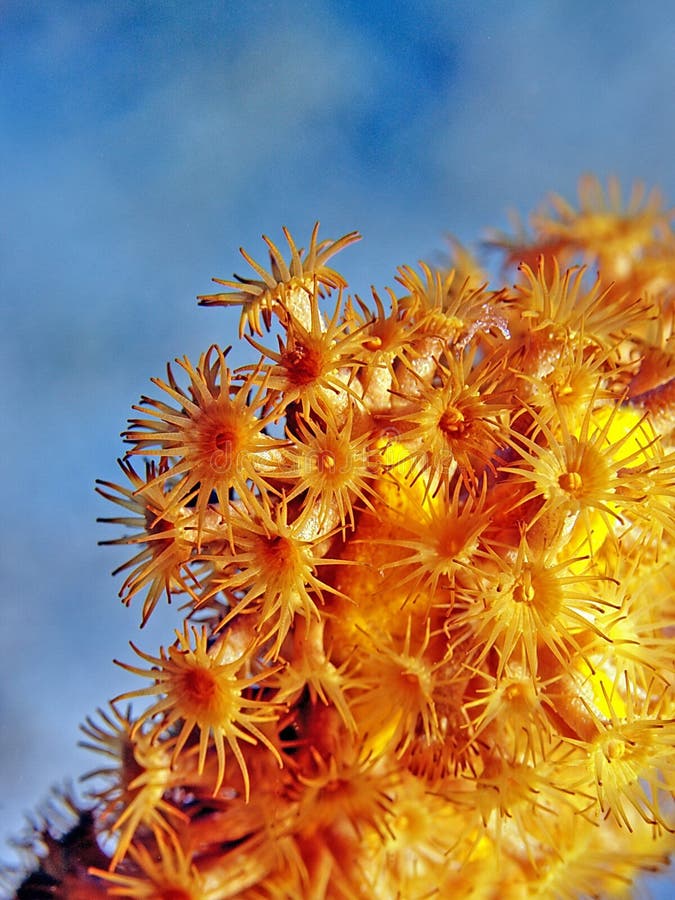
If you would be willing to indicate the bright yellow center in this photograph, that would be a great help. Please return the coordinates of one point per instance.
(327, 461)
(453, 422)
(571, 482)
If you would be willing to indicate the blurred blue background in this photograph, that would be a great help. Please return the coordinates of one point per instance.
(142, 143)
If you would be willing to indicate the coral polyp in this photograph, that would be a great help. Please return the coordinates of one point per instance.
(425, 549)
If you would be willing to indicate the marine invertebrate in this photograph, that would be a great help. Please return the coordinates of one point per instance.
(212, 440)
(202, 688)
(427, 555)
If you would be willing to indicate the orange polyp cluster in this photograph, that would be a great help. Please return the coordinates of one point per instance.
(425, 550)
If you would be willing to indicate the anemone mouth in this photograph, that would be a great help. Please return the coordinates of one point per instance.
(613, 749)
(220, 439)
(523, 593)
(303, 365)
(278, 551)
(199, 687)
(539, 589)
(572, 483)
(453, 423)
(327, 462)
(454, 540)
(224, 440)
(587, 476)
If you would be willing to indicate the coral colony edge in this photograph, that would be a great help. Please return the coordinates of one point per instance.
(424, 543)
